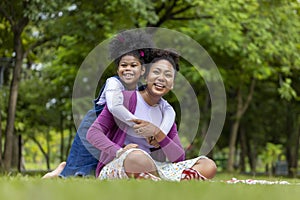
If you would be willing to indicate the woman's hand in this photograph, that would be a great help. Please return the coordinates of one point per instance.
(145, 128)
(152, 141)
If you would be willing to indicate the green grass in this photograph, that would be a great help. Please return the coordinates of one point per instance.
(34, 188)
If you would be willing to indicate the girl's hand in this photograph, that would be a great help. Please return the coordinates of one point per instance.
(145, 128)
(127, 147)
(130, 146)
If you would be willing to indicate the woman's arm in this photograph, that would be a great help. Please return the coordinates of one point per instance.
(171, 145)
(96, 134)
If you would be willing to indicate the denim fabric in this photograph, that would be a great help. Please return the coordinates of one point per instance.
(83, 157)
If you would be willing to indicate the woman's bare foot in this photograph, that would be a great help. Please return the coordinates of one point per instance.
(55, 172)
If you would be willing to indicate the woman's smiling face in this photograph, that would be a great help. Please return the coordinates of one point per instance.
(160, 78)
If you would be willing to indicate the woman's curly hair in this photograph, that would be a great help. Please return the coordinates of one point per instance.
(166, 54)
(137, 43)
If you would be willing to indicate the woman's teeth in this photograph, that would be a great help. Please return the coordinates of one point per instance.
(159, 85)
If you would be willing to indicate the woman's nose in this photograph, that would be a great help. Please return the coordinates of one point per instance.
(161, 77)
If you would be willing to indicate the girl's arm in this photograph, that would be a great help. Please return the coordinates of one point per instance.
(114, 101)
(96, 134)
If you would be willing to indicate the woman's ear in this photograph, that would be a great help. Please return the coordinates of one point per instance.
(143, 70)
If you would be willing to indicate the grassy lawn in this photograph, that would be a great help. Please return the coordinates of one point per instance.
(25, 187)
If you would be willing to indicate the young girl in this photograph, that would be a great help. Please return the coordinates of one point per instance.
(130, 56)
(126, 151)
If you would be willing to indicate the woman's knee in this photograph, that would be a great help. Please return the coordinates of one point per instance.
(207, 167)
(137, 162)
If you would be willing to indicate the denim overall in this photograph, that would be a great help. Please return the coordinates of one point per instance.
(83, 157)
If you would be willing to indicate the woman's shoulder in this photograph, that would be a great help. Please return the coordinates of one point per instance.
(163, 102)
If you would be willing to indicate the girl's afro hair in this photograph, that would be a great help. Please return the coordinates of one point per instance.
(137, 43)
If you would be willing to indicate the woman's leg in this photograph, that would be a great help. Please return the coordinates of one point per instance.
(138, 165)
(203, 169)
(206, 167)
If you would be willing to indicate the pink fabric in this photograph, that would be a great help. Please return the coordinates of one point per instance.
(108, 135)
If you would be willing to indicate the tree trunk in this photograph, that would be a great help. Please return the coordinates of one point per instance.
(17, 27)
(70, 139)
(243, 150)
(20, 156)
(205, 122)
(241, 109)
(15, 152)
(232, 142)
(292, 145)
(0, 138)
(46, 155)
(13, 95)
(62, 141)
(251, 153)
(48, 150)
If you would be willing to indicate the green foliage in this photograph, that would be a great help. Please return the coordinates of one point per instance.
(286, 91)
(271, 154)
(247, 39)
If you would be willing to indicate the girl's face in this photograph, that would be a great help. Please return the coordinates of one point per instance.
(160, 78)
(130, 70)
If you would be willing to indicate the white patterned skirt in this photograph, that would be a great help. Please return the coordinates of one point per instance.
(166, 170)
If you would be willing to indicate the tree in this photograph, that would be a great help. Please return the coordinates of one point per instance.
(250, 43)
(18, 16)
(17, 23)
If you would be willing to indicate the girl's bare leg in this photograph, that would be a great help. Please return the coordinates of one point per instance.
(56, 172)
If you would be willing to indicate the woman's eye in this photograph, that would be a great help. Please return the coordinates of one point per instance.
(169, 75)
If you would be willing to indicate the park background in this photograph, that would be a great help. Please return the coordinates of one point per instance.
(254, 43)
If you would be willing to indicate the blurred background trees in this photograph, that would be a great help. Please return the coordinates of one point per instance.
(254, 43)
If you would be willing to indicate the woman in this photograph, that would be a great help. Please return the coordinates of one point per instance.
(127, 152)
